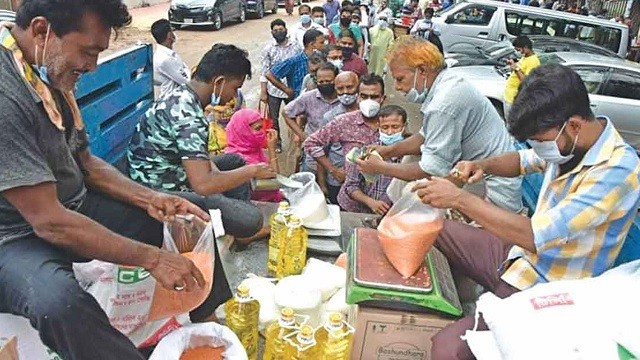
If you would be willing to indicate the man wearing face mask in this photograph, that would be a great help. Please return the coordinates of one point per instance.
(381, 41)
(350, 130)
(280, 48)
(351, 60)
(168, 151)
(588, 201)
(169, 70)
(306, 23)
(459, 123)
(346, 24)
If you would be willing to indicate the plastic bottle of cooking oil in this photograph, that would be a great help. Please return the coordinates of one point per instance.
(274, 344)
(277, 221)
(293, 248)
(242, 316)
(335, 338)
(302, 345)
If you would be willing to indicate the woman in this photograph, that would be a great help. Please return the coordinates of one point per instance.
(247, 137)
(381, 41)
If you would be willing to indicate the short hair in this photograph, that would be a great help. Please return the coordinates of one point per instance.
(317, 58)
(331, 47)
(345, 9)
(372, 79)
(317, 9)
(223, 60)
(416, 52)
(160, 30)
(389, 110)
(310, 36)
(278, 22)
(429, 11)
(522, 41)
(327, 66)
(64, 15)
(347, 33)
(547, 98)
(304, 6)
(346, 3)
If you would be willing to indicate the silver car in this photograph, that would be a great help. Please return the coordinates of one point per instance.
(613, 85)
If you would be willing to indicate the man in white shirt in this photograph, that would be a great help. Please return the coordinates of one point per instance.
(305, 24)
(169, 70)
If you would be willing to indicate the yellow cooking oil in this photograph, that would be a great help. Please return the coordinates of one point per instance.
(274, 336)
(293, 248)
(277, 222)
(335, 338)
(301, 345)
(242, 316)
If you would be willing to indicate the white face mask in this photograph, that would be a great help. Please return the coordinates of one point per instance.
(383, 23)
(337, 63)
(549, 151)
(413, 95)
(369, 108)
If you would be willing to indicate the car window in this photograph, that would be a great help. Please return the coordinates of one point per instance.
(623, 84)
(592, 76)
(474, 15)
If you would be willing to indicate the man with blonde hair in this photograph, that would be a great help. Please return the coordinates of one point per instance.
(459, 123)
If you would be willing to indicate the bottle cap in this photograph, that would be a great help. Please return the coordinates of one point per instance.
(295, 221)
(287, 314)
(306, 331)
(243, 290)
(335, 318)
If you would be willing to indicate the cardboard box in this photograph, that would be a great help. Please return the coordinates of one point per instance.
(9, 349)
(395, 335)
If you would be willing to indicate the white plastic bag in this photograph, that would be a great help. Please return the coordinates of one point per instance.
(199, 335)
(326, 277)
(303, 297)
(308, 202)
(407, 233)
(263, 290)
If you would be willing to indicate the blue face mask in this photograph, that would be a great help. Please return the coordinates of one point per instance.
(413, 95)
(215, 99)
(41, 69)
(305, 18)
(391, 139)
(549, 151)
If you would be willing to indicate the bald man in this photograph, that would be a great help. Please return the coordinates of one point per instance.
(352, 129)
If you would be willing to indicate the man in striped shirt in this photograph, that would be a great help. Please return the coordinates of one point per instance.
(588, 201)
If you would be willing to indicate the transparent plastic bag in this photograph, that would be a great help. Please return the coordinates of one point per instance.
(308, 202)
(193, 238)
(407, 233)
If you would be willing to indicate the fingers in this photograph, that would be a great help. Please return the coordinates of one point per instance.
(197, 276)
(169, 208)
(475, 177)
(195, 210)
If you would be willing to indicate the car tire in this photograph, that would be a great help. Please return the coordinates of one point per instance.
(275, 8)
(217, 21)
(260, 10)
(243, 14)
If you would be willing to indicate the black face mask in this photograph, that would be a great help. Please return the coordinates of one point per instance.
(314, 78)
(327, 89)
(347, 52)
(279, 36)
(345, 21)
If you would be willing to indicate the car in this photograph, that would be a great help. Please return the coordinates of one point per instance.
(212, 13)
(296, 2)
(546, 44)
(613, 85)
(258, 8)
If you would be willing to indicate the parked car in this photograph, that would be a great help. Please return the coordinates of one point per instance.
(296, 2)
(613, 85)
(259, 7)
(212, 13)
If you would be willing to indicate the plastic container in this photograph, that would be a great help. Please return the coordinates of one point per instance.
(242, 317)
(335, 338)
(274, 336)
(277, 223)
(292, 253)
(302, 345)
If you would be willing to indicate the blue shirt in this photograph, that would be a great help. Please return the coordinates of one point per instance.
(294, 69)
(331, 10)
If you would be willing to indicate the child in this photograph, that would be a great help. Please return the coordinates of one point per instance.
(246, 137)
(362, 197)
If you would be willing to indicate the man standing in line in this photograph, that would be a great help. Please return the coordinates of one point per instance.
(346, 24)
(331, 10)
(519, 70)
(169, 70)
(282, 47)
(306, 23)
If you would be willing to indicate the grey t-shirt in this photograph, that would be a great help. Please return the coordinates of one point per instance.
(32, 149)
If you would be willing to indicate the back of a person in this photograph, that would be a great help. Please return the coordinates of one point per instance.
(484, 134)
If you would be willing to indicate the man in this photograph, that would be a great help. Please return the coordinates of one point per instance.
(334, 56)
(169, 71)
(331, 10)
(59, 203)
(310, 80)
(519, 70)
(295, 68)
(282, 47)
(351, 60)
(589, 199)
(347, 90)
(305, 23)
(317, 16)
(310, 108)
(424, 27)
(168, 151)
(352, 129)
(345, 24)
(452, 130)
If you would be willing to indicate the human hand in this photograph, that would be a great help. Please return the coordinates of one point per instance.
(164, 207)
(324, 189)
(381, 149)
(272, 138)
(338, 174)
(371, 165)
(378, 207)
(264, 97)
(176, 272)
(468, 172)
(290, 93)
(263, 171)
(439, 193)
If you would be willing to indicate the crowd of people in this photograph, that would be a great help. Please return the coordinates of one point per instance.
(60, 204)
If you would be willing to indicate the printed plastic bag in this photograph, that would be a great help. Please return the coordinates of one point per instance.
(182, 235)
(214, 341)
(407, 233)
